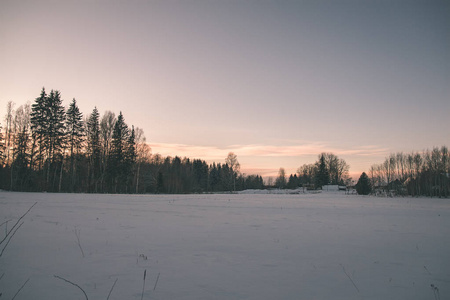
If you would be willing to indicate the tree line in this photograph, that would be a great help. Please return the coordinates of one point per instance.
(328, 169)
(44, 147)
(417, 174)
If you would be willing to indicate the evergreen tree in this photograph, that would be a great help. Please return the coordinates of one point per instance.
(54, 137)
(200, 176)
(74, 127)
(48, 127)
(94, 150)
(117, 170)
(322, 175)
(214, 177)
(293, 182)
(39, 126)
(55, 132)
(363, 187)
(160, 184)
(253, 182)
(75, 136)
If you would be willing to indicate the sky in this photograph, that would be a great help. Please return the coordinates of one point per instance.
(275, 82)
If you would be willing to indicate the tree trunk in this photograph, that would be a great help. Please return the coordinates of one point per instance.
(137, 178)
(61, 174)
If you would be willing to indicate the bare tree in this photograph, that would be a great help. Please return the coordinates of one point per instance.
(8, 127)
(232, 163)
(280, 182)
(106, 131)
(306, 173)
(143, 153)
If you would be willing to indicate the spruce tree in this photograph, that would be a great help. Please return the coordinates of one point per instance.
(54, 136)
(363, 187)
(56, 126)
(322, 175)
(48, 131)
(117, 170)
(94, 149)
(75, 128)
(39, 126)
(75, 136)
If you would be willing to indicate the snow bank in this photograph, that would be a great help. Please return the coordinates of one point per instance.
(230, 246)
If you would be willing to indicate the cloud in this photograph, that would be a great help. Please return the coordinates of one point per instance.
(305, 149)
(266, 160)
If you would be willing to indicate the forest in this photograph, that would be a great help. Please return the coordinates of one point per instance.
(44, 147)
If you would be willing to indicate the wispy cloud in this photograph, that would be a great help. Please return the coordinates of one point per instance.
(266, 160)
(305, 149)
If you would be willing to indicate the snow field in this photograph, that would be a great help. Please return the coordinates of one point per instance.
(228, 246)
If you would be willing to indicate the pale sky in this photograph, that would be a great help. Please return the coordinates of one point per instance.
(276, 82)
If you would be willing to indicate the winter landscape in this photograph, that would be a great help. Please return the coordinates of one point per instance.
(187, 149)
(326, 245)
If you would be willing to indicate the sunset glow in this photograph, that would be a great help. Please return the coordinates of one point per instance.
(276, 82)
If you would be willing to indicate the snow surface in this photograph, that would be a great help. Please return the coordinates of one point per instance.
(228, 246)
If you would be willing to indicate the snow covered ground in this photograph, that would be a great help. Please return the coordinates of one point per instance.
(240, 246)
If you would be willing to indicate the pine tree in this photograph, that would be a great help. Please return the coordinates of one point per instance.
(363, 187)
(75, 136)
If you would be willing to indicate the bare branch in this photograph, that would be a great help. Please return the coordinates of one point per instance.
(343, 269)
(77, 233)
(157, 278)
(112, 288)
(10, 237)
(18, 221)
(73, 284)
(20, 289)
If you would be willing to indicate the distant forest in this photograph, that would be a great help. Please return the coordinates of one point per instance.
(44, 147)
